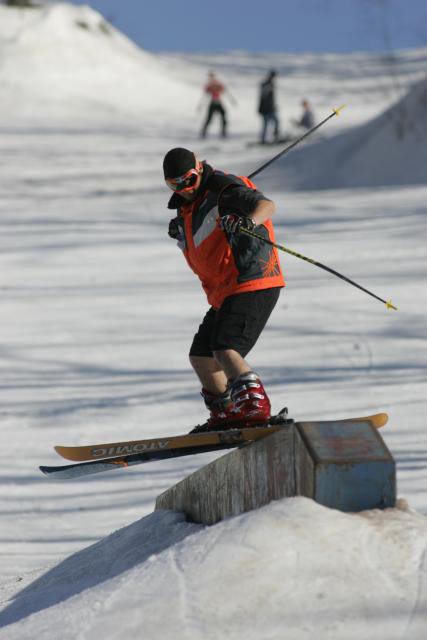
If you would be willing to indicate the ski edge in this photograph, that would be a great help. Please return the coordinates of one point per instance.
(90, 467)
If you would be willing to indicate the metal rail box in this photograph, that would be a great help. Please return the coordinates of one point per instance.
(344, 467)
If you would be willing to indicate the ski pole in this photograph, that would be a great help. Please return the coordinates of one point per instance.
(335, 112)
(388, 303)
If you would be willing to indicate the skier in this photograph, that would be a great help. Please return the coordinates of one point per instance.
(215, 89)
(267, 106)
(240, 275)
(307, 119)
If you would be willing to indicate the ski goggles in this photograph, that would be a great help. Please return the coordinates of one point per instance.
(185, 182)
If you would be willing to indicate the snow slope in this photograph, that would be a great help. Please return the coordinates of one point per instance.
(98, 310)
(368, 84)
(67, 64)
(260, 575)
(389, 150)
(64, 62)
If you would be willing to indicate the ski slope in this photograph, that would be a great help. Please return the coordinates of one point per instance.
(98, 312)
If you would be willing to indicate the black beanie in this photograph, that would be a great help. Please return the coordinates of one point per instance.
(177, 162)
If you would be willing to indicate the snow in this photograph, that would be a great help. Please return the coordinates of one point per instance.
(259, 575)
(358, 155)
(68, 61)
(98, 310)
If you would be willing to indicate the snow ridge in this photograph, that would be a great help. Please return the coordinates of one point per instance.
(72, 63)
(389, 150)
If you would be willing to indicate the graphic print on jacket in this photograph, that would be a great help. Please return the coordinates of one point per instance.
(226, 264)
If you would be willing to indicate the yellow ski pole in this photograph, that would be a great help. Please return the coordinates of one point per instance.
(388, 303)
(335, 112)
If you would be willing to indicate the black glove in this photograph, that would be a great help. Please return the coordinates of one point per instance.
(175, 230)
(232, 223)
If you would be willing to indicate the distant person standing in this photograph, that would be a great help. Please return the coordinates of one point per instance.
(215, 89)
(267, 106)
(307, 119)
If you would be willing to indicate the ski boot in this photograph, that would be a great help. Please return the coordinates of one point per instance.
(244, 404)
(251, 403)
(220, 408)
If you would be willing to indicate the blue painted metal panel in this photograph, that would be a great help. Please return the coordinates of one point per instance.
(355, 487)
(353, 469)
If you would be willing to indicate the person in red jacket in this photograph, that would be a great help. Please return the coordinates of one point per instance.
(214, 90)
(240, 275)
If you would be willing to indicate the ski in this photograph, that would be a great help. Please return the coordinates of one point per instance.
(190, 444)
(236, 436)
(80, 469)
(268, 143)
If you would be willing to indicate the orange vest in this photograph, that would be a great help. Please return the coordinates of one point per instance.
(224, 269)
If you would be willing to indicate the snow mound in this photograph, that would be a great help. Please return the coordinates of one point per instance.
(389, 150)
(362, 575)
(67, 61)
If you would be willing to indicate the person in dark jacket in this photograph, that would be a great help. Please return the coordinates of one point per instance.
(267, 106)
(240, 275)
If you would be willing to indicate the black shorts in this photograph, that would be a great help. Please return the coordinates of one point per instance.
(237, 324)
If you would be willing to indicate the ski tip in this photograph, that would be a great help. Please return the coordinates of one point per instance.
(61, 450)
(389, 305)
(66, 452)
(44, 470)
(379, 420)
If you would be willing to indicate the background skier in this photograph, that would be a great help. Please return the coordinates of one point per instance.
(215, 89)
(306, 120)
(267, 106)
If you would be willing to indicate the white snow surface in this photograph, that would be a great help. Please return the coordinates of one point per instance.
(98, 311)
(260, 575)
(389, 150)
(68, 62)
